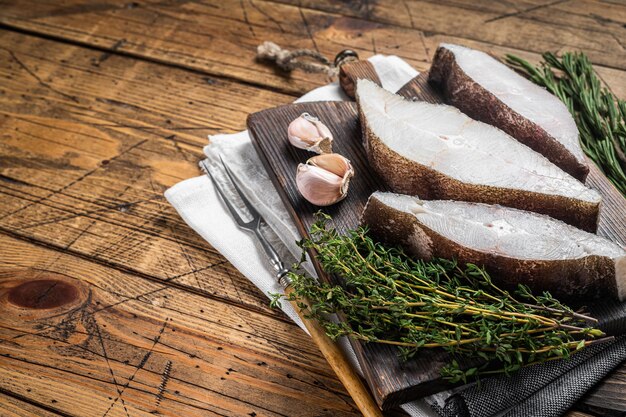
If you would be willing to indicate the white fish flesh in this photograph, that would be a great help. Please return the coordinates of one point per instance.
(487, 90)
(437, 152)
(515, 246)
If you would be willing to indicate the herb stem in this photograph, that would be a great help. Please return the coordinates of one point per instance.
(389, 298)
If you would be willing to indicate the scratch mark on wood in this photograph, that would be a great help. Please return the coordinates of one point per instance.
(180, 245)
(520, 12)
(245, 18)
(268, 16)
(272, 343)
(139, 366)
(118, 103)
(601, 19)
(408, 11)
(106, 55)
(93, 222)
(106, 358)
(187, 155)
(164, 378)
(425, 47)
(123, 207)
(10, 180)
(621, 45)
(308, 29)
(76, 181)
(39, 80)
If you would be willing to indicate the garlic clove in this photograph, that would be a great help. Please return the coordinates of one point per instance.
(307, 132)
(319, 186)
(333, 162)
(324, 179)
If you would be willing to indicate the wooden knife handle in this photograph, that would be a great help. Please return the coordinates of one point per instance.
(337, 360)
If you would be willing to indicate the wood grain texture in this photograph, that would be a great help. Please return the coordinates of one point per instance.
(11, 406)
(420, 89)
(110, 343)
(108, 104)
(192, 34)
(88, 176)
(531, 25)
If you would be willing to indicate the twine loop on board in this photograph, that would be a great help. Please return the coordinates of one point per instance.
(307, 60)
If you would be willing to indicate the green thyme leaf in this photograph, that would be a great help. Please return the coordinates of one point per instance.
(389, 298)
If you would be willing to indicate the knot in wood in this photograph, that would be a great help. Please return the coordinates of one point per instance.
(43, 294)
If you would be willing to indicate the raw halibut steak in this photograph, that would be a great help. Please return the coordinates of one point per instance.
(437, 152)
(516, 246)
(487, 90)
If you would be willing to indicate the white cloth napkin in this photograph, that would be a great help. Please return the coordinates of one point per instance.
(201, 208)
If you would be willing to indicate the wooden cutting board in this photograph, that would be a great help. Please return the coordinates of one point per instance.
(392, 382)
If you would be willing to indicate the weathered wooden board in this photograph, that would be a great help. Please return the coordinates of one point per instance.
(530, 25)
(193, 34)
(80, 338)
(392, 381)
(88, 176)
(92, 135)
(10, 406)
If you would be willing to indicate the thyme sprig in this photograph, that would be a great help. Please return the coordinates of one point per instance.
(599, 115)
(390, 298)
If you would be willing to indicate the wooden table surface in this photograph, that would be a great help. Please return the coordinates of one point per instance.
(109, 304)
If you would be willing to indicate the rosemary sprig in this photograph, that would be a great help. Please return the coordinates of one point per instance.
(599, 115)
(392, 299)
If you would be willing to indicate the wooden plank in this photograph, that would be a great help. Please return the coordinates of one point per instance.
(217, 37)
(15, 407)
(87, 175)
(88, 340)
(220, 37)
(534, 26)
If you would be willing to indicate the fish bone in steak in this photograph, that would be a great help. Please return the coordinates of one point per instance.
(515, 246)
(437, 152)
(487, 90)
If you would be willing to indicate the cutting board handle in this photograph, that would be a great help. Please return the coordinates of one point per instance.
(351, 71)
